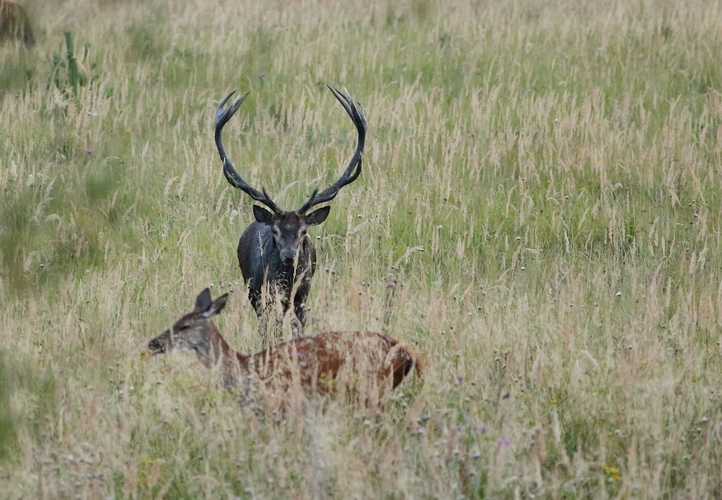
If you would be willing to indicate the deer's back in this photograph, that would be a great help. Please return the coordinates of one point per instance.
(330, 359)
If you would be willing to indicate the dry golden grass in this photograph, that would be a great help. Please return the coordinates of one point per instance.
(538, 211)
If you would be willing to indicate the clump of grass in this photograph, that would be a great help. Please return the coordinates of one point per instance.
(67, 72)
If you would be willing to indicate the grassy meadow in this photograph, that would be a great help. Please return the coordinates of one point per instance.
(538, 213)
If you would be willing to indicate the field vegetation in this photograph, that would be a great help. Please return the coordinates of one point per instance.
(539, 214)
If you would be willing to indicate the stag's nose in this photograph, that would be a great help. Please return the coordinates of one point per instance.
(287, 256)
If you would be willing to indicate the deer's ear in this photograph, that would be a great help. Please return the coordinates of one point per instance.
(317, 217)
(262, 215)
(203, 300)
(216, 307)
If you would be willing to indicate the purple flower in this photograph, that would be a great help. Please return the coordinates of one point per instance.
(480, 428)
(263, 75)
(503, 442)
(459, 378)
(459, 427)
(298, 354)
(90, 151)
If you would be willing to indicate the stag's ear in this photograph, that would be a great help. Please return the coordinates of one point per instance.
(262, 215)
(203, 300)
(317, 217)
(216, 307)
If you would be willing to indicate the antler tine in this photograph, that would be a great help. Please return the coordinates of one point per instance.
(356, 113)
(233, 178)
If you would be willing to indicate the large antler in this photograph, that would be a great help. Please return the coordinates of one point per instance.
(233, 178)
(354, 168)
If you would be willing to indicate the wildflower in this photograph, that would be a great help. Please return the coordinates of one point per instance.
(459, 378)
(480, 428)
(613, 472)
(459, 428)
(90, 151)
(263, 75)
(503, 442)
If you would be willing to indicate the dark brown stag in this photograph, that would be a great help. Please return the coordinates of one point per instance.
(275, 253)
(366, 363)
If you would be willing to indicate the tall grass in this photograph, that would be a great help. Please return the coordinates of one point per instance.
(539, 211)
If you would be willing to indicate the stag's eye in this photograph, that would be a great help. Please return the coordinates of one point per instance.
(303, 232)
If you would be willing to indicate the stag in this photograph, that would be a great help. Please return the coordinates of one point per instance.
(275, 253)
(14, 23)
(309, 366)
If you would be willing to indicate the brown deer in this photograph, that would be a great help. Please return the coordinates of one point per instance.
(308, 366)
(14, 23)
(275, 253)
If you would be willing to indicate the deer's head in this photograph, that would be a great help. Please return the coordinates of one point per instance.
(194, 331)
(289, 229)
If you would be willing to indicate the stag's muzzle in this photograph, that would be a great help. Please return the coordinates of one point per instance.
(287, 256)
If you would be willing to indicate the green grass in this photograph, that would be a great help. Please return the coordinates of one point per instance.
(541, 186)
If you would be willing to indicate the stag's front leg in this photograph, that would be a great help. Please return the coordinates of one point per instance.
(299, 321)
(299, 301)
(267, 313)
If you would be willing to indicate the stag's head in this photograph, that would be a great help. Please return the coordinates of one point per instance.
(194, 331)
(289, 228)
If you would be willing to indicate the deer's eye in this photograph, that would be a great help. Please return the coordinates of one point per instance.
(303, 232)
